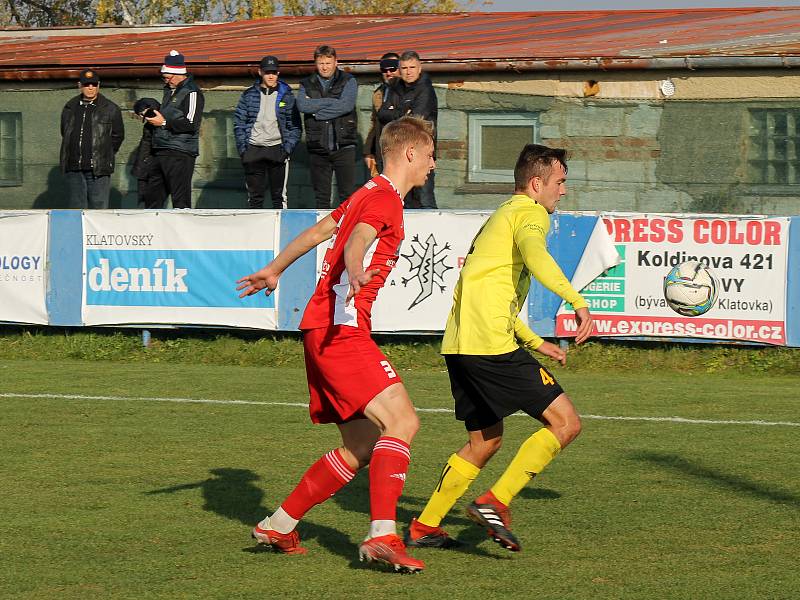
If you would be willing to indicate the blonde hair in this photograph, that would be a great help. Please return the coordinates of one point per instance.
(405, 131)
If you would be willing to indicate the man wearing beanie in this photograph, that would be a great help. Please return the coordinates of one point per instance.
(176, 140)
(91, 133)
(389, 67)
(267, 128)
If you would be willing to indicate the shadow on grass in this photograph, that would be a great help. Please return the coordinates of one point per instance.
(737, 484)
(233, 494)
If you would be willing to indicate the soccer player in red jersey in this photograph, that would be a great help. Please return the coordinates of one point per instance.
(350, 381)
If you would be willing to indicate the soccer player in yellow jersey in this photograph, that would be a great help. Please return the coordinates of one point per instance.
(485, 346)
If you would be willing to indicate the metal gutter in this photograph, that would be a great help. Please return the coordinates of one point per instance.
(461, 66)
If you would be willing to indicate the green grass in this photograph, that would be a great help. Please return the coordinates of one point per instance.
(419, 353)
(116, 498)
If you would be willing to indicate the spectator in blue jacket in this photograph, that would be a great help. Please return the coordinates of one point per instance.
(267, 127)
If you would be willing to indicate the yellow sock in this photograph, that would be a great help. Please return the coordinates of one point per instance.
(456, 477)
(532, 457)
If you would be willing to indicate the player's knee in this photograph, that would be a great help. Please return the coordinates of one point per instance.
(568, 431)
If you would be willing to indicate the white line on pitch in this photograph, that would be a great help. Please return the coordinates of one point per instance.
(425, 410)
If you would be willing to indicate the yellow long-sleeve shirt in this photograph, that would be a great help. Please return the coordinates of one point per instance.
(494, 282)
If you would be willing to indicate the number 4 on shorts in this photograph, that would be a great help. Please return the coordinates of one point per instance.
(547, 379)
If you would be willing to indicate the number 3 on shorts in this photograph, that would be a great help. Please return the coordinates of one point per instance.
(546, 377)
(388, 368)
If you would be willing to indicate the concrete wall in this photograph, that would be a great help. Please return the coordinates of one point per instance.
(631, 148)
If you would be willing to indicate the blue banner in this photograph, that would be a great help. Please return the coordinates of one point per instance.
(179, 278)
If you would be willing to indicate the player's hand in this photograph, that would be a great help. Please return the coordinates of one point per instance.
(553, 351)
(369, 160)
(157, 120)
(585, 325)
(358, 281)
(264, 279)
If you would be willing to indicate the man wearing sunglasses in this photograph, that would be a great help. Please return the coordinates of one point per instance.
(91, 133)
(390, 69)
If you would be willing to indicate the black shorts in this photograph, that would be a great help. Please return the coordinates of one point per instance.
(488, 388)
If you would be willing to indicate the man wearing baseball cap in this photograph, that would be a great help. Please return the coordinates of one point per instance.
(266, 125)
(389, 66)
(176, 140)
(91, 133)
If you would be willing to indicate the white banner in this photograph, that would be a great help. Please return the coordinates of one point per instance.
(747, 255)
(176, 267)
(23, 252)
(419, 292)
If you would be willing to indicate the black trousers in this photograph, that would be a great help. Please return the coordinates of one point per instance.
(171, 176)
(322, 166)
(265, 167)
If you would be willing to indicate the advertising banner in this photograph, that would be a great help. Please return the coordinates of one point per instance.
(23, 252)
(176, 267)
(418, 295)
(747, 256)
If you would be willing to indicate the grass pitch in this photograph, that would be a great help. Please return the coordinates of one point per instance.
(130, 494)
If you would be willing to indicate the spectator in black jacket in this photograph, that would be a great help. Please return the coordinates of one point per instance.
(327, 100)
(91, 133)
(413, 94)
(176, 140)
(389, 66)
(143, 161)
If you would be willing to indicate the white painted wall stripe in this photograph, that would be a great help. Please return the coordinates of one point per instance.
(680, 420)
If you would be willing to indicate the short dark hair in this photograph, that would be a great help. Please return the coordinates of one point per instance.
(324, 50)
(536, 160)
(409, 55)
(390, 55)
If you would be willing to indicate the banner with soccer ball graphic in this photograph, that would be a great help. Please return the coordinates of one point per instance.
(747, 255)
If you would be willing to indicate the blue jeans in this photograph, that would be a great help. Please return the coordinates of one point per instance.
(86, 190)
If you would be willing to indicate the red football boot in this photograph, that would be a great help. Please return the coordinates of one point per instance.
(389, 550)
(288, 543)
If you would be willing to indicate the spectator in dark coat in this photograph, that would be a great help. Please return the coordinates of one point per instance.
(389, 67)
(142, 159)
(413, 94)
(91, 133)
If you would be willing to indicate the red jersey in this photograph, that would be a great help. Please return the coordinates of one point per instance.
(376, 203)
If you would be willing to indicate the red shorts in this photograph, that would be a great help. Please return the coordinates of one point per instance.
(345, 371)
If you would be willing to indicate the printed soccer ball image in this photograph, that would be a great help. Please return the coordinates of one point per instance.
(690, 289)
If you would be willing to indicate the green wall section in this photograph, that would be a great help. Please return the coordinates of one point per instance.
(637, 155)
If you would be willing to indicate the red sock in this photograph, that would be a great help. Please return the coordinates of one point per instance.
(387, 475)
(322, 480)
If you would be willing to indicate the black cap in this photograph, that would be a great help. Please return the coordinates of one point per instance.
(389, 63)
(269, 63)
(89, 76)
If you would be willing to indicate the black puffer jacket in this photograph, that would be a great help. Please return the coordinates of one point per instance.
(418, 98)
(107, 130)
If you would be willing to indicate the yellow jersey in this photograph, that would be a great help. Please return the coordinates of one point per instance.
(495, 278)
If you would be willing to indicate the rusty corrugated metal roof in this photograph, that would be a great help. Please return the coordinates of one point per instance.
(455, 39)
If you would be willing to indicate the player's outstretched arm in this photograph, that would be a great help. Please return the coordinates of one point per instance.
(354, 251)
(267, 278)
(585, 325)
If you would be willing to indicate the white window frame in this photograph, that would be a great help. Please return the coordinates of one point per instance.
(480, 120)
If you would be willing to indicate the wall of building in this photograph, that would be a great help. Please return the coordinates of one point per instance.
(631, 147)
